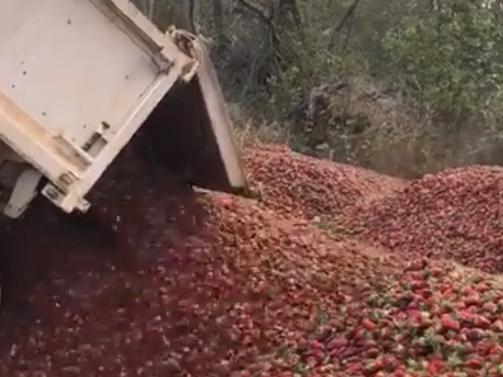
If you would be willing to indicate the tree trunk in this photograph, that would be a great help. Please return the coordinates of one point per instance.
(183, 15)
(288, 9)
(151, 9)
(218, 18)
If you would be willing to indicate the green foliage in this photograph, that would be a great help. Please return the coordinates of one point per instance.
(315, 64)
(422, 80)
(450, 58)
(317, 56)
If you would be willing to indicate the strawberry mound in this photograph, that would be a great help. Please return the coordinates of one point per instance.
(209, 301)
(215, 285)
(307, 187)
(456, 214)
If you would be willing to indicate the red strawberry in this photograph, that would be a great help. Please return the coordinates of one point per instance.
(435, 366)
(368, 324)
(449, 323)
(473, 299)
(474, 363)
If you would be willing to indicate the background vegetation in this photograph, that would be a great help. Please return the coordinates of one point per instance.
(400, 86)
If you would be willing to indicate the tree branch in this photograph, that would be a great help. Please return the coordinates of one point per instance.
(268, 19)
(290, 7)
(255, 9)
(151, 9)
(188, 12)
(349, 13)
(218, 18)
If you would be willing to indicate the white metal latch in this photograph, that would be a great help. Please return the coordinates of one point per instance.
(23, 193)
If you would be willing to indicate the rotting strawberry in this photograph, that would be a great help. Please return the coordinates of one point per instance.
(449, 323)
(451, 215)
(233, 286)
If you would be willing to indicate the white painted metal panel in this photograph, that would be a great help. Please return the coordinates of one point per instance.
(220, 121)
(72, 71)
(75, 71)
(69, 66)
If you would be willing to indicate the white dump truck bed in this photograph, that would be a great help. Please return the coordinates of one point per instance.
(77, 80)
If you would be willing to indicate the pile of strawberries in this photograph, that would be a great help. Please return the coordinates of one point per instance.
(303, 186)
(433, 319)
(162, 281)
(213, 300)
(456, 214)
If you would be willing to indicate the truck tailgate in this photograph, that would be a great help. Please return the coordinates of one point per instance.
(77, 79)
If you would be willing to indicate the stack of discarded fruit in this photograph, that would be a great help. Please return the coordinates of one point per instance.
(222, 285)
